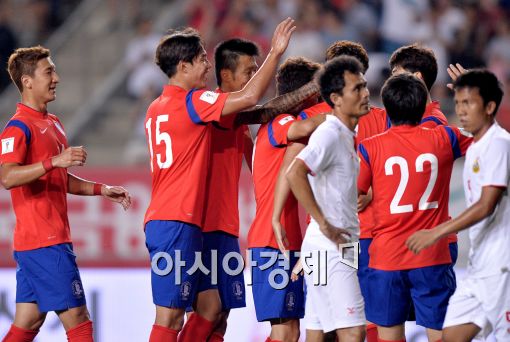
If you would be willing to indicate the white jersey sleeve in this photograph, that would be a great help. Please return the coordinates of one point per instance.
(497, 171)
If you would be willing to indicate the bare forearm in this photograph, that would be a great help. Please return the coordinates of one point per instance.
(79, 186)
(300, 186)
(469, 217)
(286, 103)
(13, 175)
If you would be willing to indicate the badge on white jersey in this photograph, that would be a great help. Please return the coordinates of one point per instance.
(476, 166)
(7, 145)
(209, 97)
(285, 120)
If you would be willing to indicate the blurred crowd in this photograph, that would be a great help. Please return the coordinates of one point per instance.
(470, 32)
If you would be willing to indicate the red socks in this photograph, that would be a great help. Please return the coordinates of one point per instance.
(196, 329)
(16, 334)
(371, 333)
(163, 334)
(80, 333)
(270, 340)
(381, 340)
(215, 337)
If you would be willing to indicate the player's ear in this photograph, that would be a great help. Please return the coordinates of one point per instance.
(336, 99)
(226, 75)
(418, 75)
(490, 108)
(183, 66)
(26, 81)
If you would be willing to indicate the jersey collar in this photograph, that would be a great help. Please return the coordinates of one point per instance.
(20, 107)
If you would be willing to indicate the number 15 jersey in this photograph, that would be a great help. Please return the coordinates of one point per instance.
(179, 139)
(409, 169)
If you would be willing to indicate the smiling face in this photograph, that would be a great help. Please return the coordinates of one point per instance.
(198, 70)
(245, 69)
(474, 116)
(42, 84)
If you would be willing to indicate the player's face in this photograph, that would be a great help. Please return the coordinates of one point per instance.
(44, 82)
(246, 68)
(355, 95)
(200, 69)
(470, 110)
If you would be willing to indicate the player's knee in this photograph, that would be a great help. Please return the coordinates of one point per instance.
(353, 334)
(450, 335)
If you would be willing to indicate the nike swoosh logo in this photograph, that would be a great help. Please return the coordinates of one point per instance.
(44, 130)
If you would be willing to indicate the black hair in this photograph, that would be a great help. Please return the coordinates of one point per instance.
(294, 73)
(332, 77)
(348, 48)
(405, 98)
(488, 85)
(176, 46)
(416, 58)
(226, 54)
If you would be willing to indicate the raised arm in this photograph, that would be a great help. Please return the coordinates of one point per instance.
(287, 103)
(258, 84)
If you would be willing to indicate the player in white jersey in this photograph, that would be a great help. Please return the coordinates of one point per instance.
(323, 178)
(481, 303)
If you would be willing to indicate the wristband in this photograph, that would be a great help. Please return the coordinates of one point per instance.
(97, 189)
(47, 165)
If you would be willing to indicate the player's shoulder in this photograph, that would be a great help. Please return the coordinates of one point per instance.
(500, 139)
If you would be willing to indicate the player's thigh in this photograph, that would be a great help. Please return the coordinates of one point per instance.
(496, 303)
(461, 333)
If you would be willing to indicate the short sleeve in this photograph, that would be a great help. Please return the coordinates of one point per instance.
(205, 106)
(15, 140)
(496, 165)
(318, 154)
(459, 140)
(277, 130)
(365, 170)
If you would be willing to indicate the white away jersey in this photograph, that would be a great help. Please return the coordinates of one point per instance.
(488, 164)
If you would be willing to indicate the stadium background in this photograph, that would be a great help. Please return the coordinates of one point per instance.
(104, 50)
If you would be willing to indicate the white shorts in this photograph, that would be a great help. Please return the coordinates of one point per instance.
(484, 302)
(333, 298)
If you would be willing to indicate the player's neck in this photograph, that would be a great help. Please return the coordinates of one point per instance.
(33, 103)
(481, 132)
(180, 82)
(349, 121)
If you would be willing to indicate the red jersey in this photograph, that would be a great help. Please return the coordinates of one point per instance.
(388, 161)
(269, 150)
(310, 112)
(222, 196)
(375, 122)
(40, 206)
(179, 140)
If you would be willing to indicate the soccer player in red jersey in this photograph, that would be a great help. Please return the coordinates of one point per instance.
(179, 140)
(282, 307)
(481, 303)
(34, 162)
(235, 64)
(409, 169)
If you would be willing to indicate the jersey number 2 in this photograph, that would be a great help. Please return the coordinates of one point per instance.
(161, 137)
(395, 207)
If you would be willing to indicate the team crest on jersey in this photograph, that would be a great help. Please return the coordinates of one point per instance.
(285, 120)
(209, 96)
(60, 129)
(476, 166)
(77, 289)
(290, 301)
(185, 290)
(7, 145)
(237, 290)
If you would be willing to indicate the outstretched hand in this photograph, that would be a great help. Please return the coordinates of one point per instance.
(281, 36)
(117, 194)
